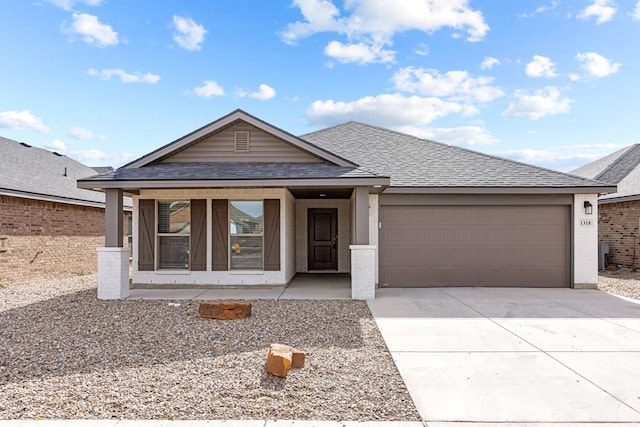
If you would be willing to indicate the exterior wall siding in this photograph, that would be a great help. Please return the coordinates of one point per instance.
(344, 231)
(43, 240)
(618, 226)
(263, 147)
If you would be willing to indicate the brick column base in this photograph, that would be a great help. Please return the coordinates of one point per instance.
(113, 273)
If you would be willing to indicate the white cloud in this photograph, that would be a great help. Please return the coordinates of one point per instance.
(601, 10)
(541, 66)
(489, 62)
(597, 65)
(208, 89)
(574, 77)
(458, 85)
(84, 134)
(124, 76)
(463, 135)
(542, 102)
(540, 9)
(369, 25)
(264, 92)
(57, 145)
(22, 120)
(390, 110)
(92, 30)
(422, 49)
(94, 157)
(636, 12)
(564, 157)
(360, 53)
(189, 35)
(68, 4)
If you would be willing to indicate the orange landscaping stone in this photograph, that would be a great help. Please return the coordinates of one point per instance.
(224, 310)
(281, 358)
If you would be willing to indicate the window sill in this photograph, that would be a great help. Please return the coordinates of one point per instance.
(247, 272)
(180, 272)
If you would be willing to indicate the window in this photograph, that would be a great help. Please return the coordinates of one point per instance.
(246, 226)
(174, 232)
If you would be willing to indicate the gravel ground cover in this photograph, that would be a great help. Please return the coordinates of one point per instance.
(623, 282)
(65, 354)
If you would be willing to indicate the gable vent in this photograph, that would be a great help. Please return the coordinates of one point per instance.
(241, 141)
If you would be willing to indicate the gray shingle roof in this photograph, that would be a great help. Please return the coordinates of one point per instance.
(621, 168)
(415, 162)
(38, 173)
(233, 171)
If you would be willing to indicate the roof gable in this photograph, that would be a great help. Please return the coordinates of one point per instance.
(598, 167)
(414, 162)
(262, 147)
(183, 148)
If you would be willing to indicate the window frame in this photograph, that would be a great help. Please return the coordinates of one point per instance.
(231, 235)
(159, 235)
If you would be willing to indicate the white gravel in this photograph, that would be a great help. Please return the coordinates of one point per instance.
(622, 282)
(65, 354)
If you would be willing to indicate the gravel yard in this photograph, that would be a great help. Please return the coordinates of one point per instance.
(65, 354)
(622, 282)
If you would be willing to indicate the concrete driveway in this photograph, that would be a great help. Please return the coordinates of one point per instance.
(514, 355)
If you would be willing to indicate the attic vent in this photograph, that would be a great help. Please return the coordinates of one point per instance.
(24, 144)
(56, 154)
(241, 141)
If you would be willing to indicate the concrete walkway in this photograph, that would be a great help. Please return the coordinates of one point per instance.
(514, 355)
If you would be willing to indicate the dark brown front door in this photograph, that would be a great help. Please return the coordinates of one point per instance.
(323, 239)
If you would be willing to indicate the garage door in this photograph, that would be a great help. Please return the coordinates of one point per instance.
(474, 246)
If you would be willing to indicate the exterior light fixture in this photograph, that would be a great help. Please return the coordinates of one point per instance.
(588, 208)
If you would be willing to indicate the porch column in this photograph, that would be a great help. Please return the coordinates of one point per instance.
(113, 259)
(363, 277)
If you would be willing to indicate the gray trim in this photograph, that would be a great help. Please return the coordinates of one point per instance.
(56, 199)
(228, 120)
(572, 231)
(236, 183)
(361, 217)
(113, 223)
(605, 188)
(474, 199)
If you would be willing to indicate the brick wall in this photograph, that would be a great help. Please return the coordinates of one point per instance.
(40, 239)
(617, 226)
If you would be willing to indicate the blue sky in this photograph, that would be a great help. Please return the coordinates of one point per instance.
(553, 83)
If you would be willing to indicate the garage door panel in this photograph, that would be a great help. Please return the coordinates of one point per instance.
(474, 246)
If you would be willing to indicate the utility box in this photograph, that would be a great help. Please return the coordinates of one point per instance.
(603, 251)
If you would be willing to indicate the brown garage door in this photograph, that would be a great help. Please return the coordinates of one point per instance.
(474, 246)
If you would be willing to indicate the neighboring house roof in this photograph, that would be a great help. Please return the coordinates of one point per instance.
(621, 168)
(415, 162)
(35, 173)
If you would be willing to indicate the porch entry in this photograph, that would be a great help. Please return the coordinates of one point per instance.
(322, 225)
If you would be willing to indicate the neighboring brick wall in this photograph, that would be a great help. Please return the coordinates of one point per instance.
(617, 226)
(40, 239)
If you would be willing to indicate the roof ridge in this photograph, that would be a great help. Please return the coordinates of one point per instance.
(632, 147)
(455, 147)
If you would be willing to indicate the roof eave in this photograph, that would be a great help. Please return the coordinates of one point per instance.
(227, 120)
(501, 190)
(378, 182)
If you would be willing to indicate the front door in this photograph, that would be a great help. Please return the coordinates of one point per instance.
(323, 239)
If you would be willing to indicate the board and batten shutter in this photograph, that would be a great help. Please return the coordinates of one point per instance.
(146, 234)
(272, 234)
(220, 234)
(198, 250)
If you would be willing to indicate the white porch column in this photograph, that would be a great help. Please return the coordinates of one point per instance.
(113, 259)
(363, 271)
(585, 242)
(363, 255)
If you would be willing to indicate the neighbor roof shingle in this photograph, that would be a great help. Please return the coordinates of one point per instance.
(415, 162)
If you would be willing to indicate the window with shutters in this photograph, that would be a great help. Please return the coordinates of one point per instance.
(174, 234)
(246, 234)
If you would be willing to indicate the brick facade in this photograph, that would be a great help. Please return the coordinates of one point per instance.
(41, 239)
(618, 226)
